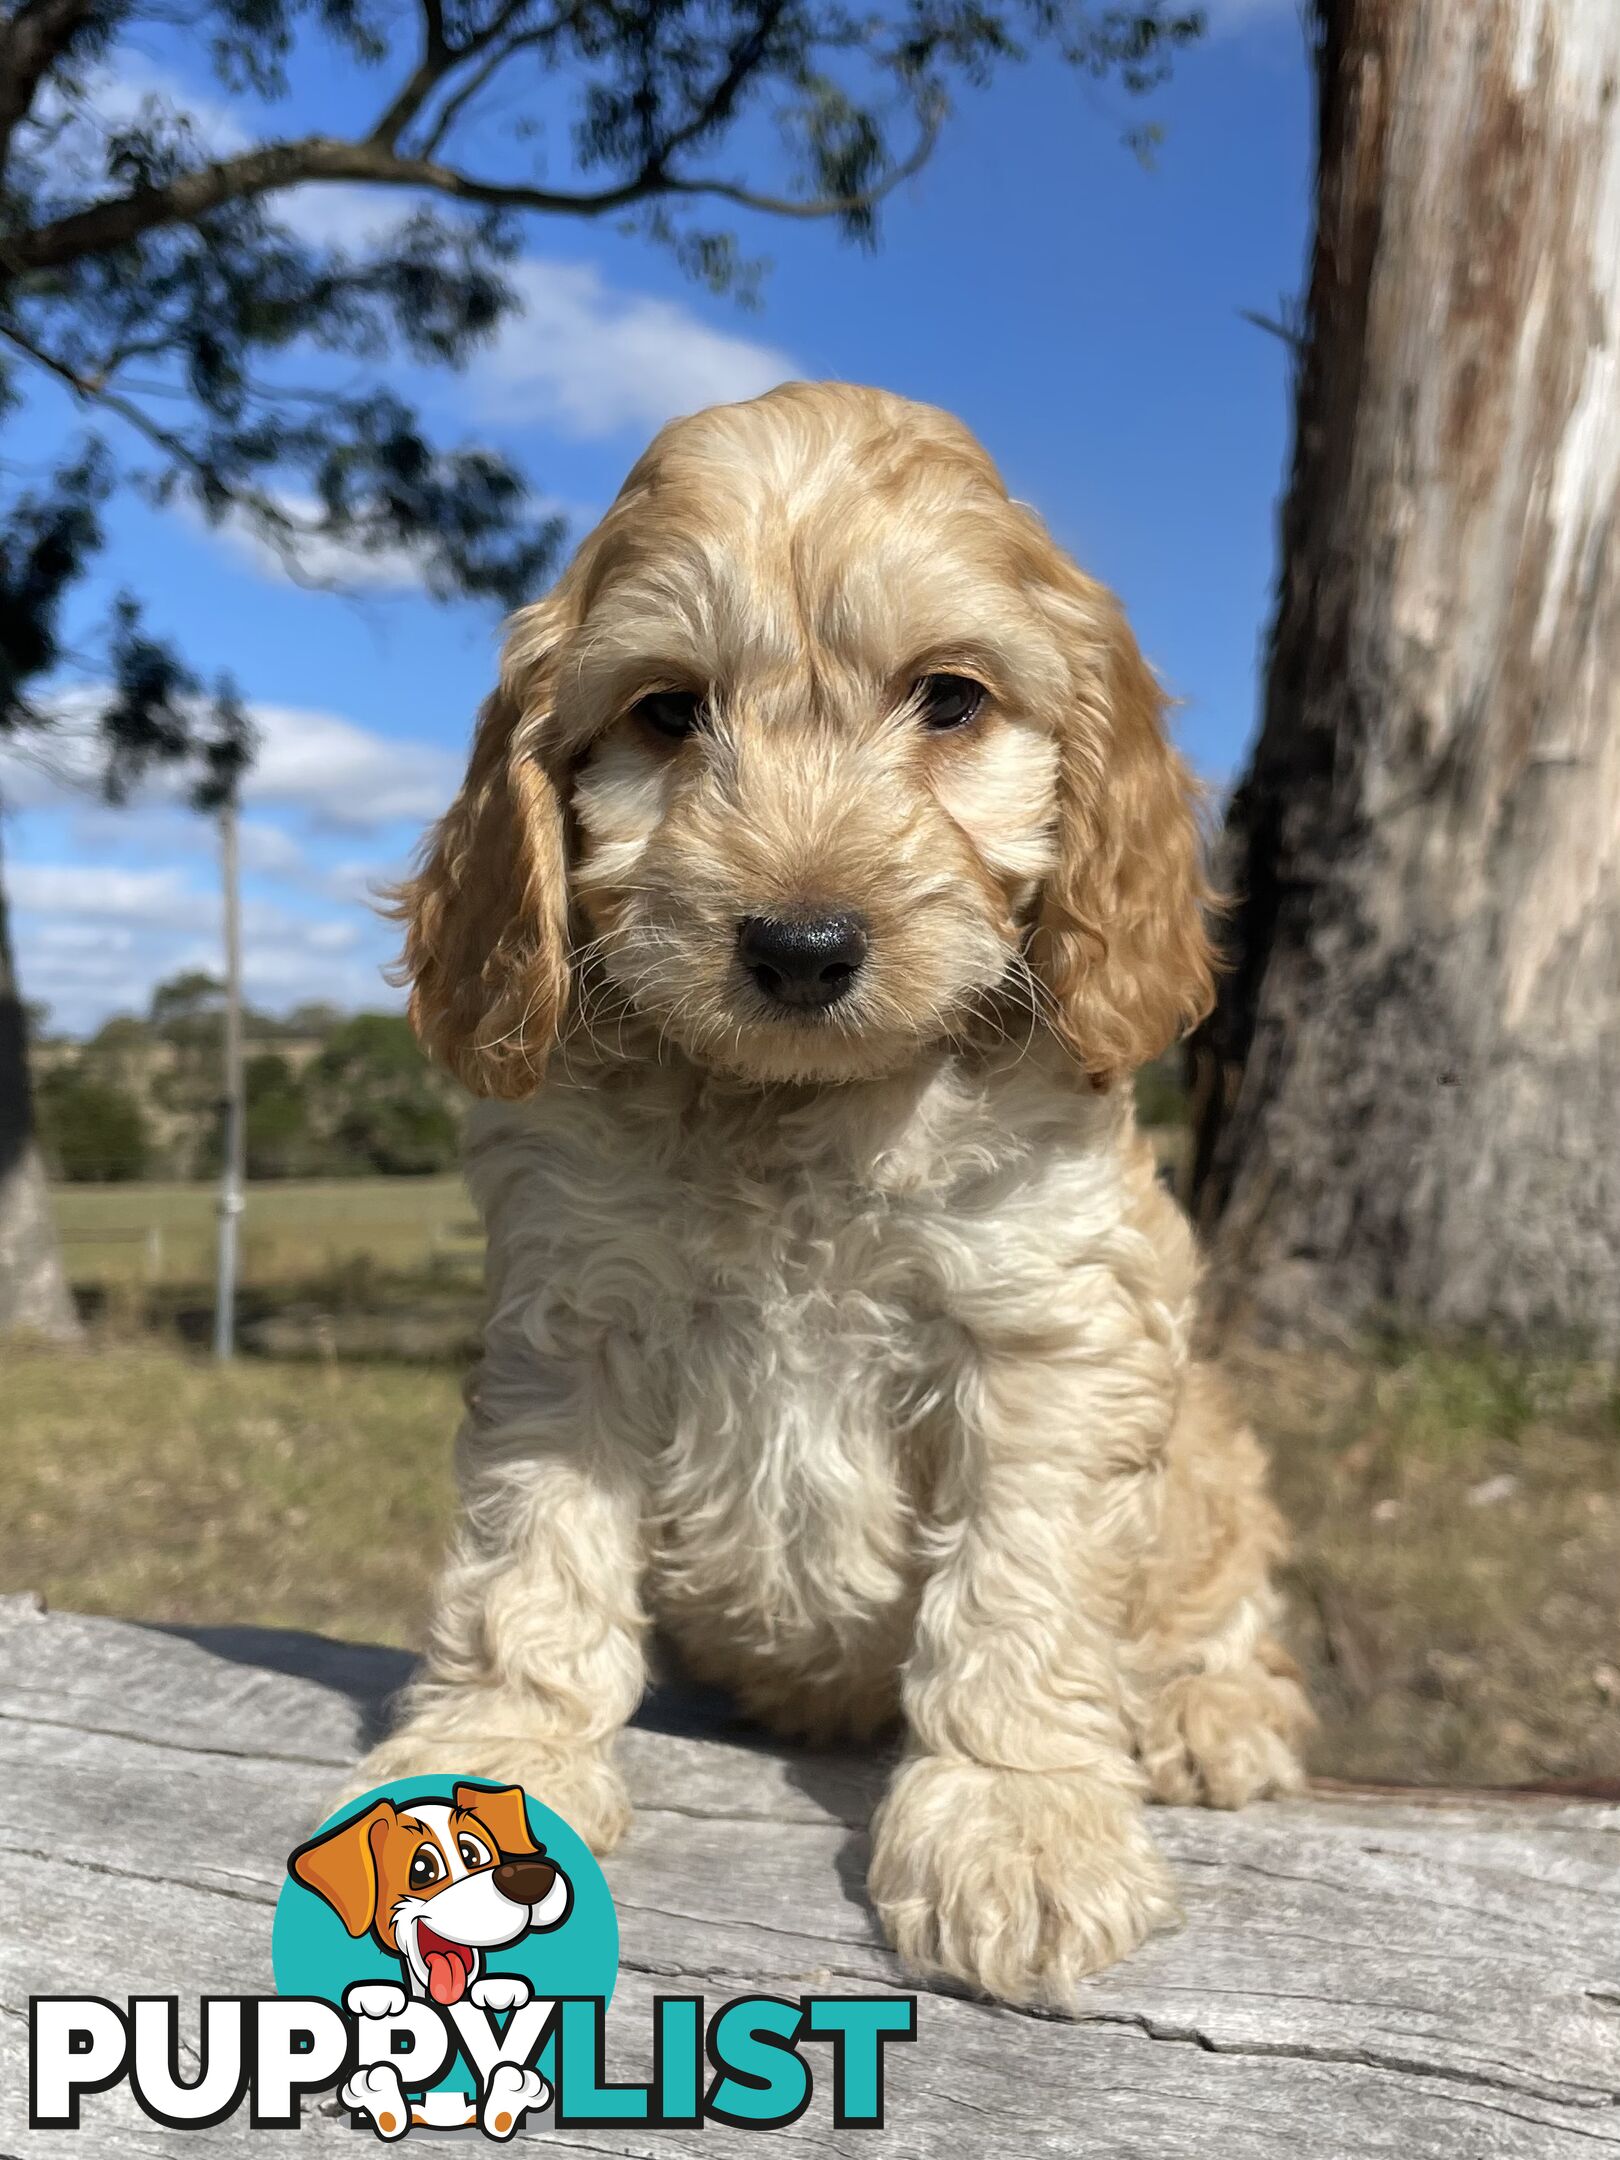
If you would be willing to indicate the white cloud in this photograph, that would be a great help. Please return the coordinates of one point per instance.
(332, 771)
(579, 354)
(134, 896)
(270, 851)
(333, 937)
(82, 987)
(592, 360)
(94, 940)
(340, 774)
(357, 883)
(72, 896)
(339, 214)
(83, 973)
(152, 899)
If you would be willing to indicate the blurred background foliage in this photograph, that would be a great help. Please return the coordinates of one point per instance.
(328, 1094)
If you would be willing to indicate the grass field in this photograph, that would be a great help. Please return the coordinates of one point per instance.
(1455, 1584)
(127, 1234)
(1455, 1590)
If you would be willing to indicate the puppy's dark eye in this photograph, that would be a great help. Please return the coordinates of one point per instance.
(426, 1867)
(947, 701)
(672, 713)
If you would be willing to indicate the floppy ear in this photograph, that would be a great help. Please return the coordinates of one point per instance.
(342, 1867)
(1121, 939)
(502, 1813)
(486, 915)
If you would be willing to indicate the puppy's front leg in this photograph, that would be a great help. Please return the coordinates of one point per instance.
(1012, 1851)
(536, 1656)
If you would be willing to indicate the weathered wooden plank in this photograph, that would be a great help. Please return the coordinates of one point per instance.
(1360, 1975)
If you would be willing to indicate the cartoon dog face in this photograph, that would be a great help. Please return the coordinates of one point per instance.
(438, 1882)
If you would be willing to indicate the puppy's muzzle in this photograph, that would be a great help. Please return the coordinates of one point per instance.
(525, 1882)
(803, 961)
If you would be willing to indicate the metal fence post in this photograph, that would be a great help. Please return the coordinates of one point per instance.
(230, 1182)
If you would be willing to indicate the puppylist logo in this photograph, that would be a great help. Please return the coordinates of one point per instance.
(444, 1954)
(445, 1907)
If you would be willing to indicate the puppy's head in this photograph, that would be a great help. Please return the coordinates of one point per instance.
(819, 753)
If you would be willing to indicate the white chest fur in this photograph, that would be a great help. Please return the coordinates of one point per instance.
(770, 1302)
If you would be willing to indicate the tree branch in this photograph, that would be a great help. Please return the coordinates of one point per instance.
(495, 59)
(364, 527)
(323, 159)
(441, 59)
(283, 531)
(824, 206)
(716, 107)
(436, 62)
(1291, 338)
(35, 36)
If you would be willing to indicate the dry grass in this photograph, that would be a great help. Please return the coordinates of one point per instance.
(147, 1482)
(1455, 1591)
(292, 1228)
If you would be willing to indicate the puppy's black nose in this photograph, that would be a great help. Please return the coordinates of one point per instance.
(803, 960)
(525, 1882)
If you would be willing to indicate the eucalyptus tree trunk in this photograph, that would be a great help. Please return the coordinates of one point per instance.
(1408, 1100)
(34, 1295)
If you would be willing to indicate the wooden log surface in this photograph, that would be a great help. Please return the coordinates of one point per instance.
(1358, 1975)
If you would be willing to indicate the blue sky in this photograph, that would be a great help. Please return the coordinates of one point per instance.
(1080, 312)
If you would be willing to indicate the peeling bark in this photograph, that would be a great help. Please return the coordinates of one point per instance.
(1408, 1100)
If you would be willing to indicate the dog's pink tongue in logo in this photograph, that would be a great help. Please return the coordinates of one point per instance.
(449, 1966)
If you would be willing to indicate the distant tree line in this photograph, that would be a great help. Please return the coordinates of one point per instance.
(328, 1094)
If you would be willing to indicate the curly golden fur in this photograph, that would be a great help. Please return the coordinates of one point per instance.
(846, 1341)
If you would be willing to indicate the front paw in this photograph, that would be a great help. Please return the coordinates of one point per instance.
(512, 2094)
(374, 1999)
(501, 1991)
(1017, 1883)
(377, 2092)
(1223, 1739)
(581, 1784)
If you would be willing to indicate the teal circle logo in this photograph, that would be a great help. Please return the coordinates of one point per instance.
(452, 1892)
